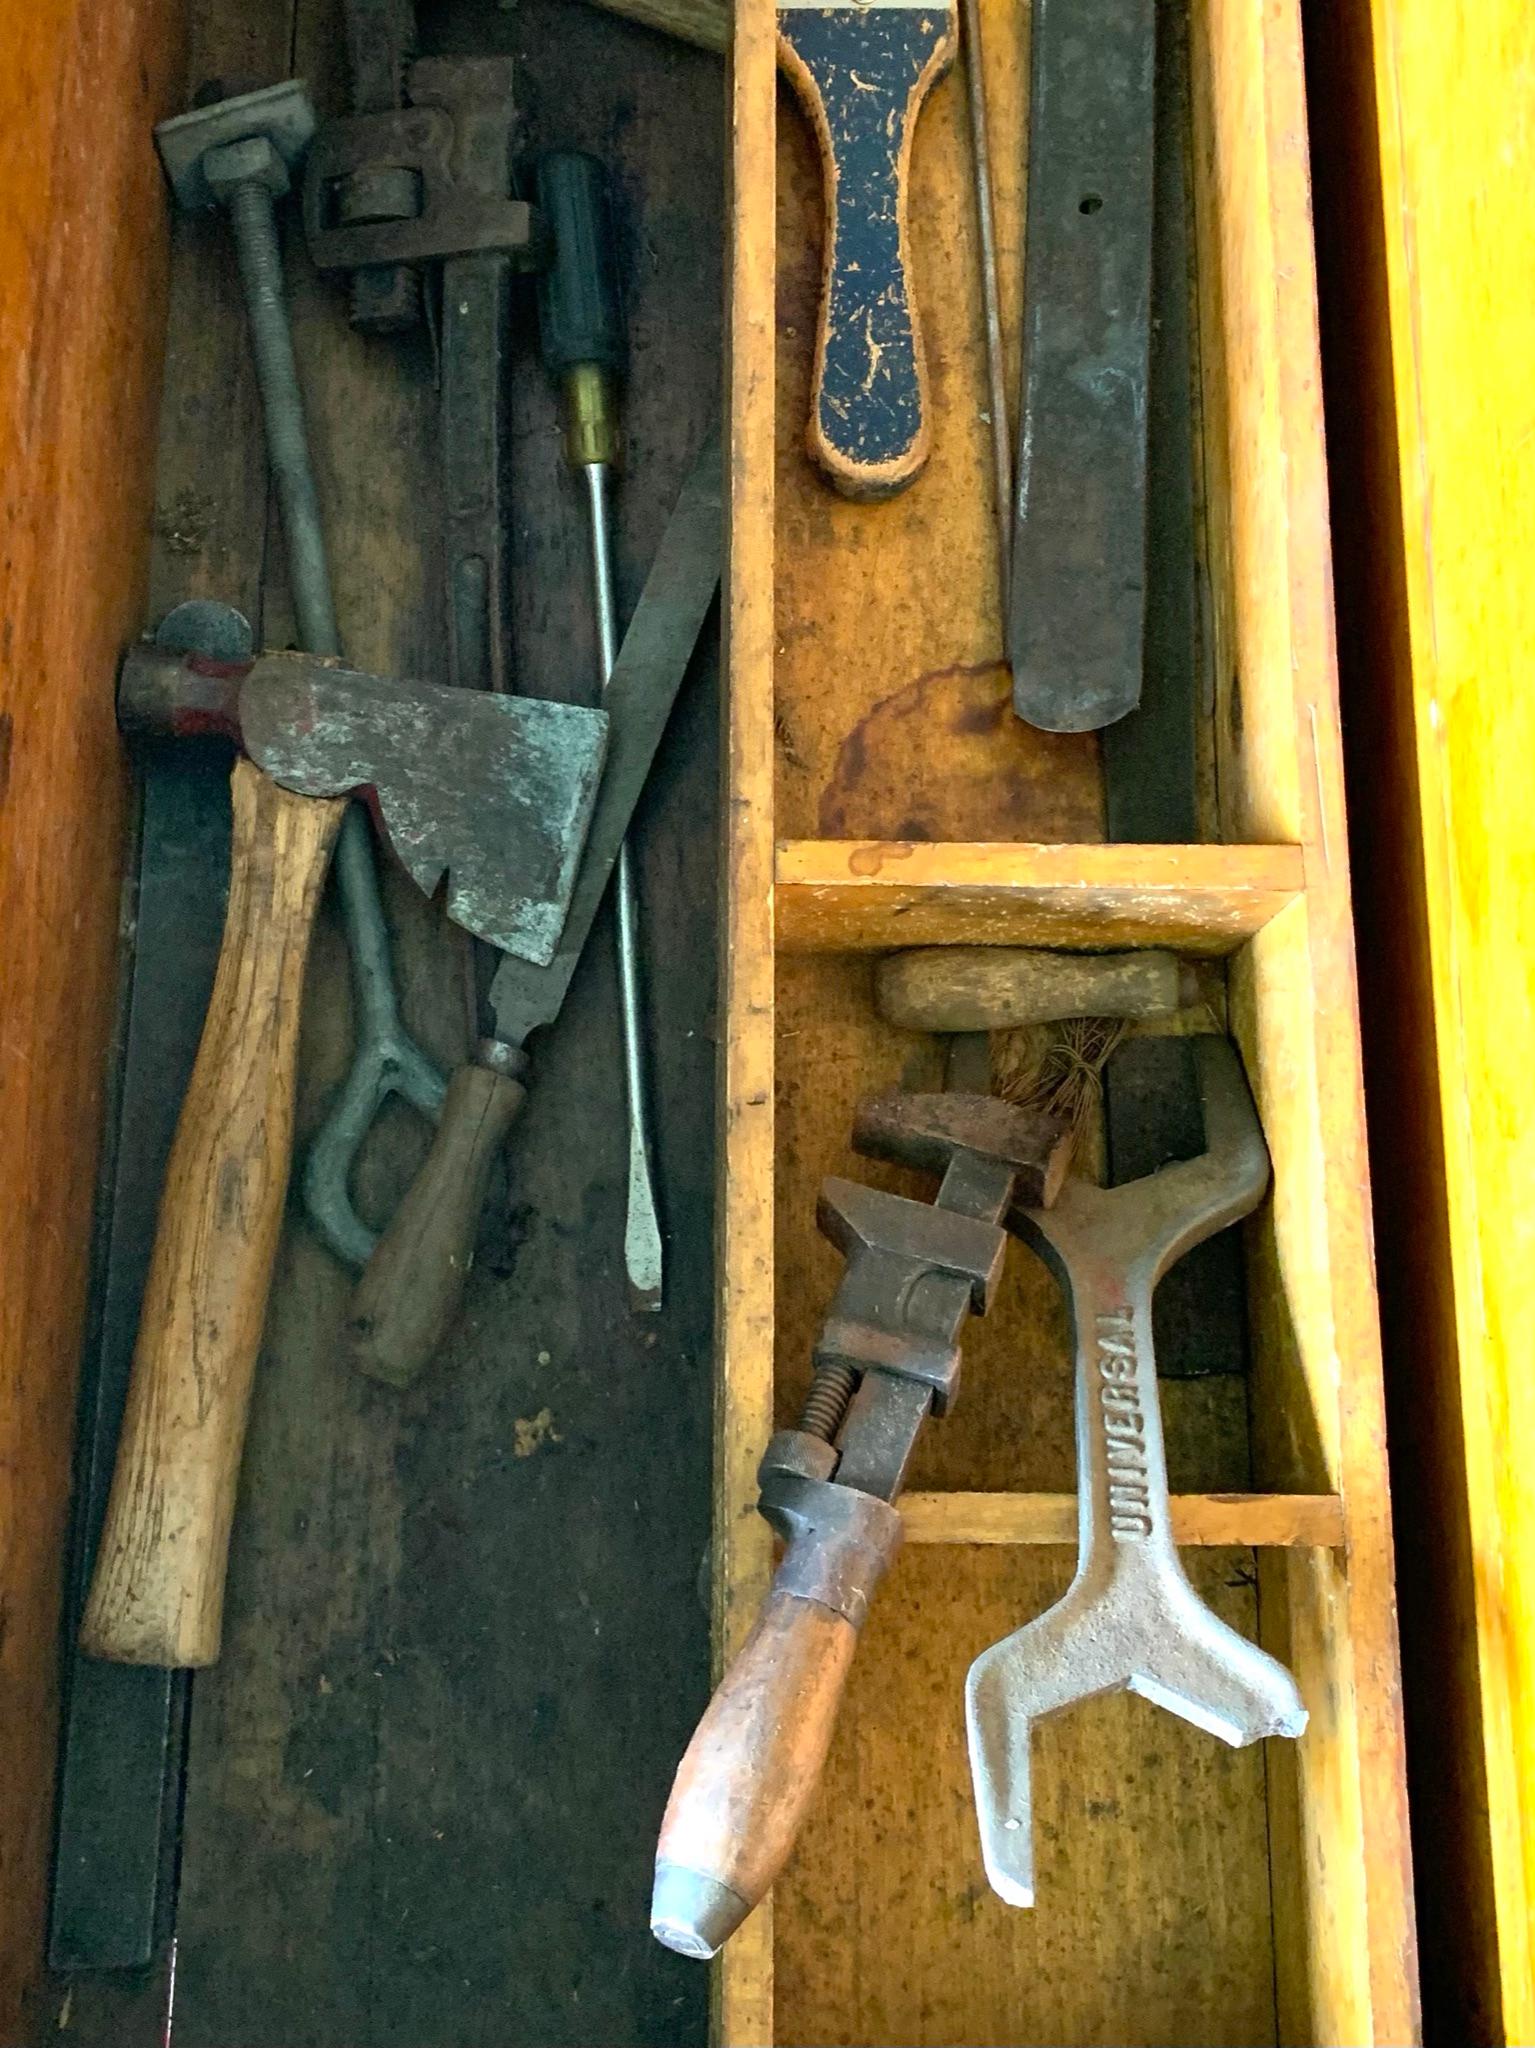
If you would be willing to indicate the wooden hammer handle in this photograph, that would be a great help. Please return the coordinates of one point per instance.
(157, 1595)
(750, 1773)
(998, 988)
(411, 1288)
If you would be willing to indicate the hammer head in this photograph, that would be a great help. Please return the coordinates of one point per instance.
(279, 115)
(931, 1131)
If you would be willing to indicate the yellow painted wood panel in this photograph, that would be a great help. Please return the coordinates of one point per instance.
(1455, 103)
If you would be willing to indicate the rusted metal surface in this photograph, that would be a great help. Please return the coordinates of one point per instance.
(496, 793)
(641, 691)
(887, 1357)
(451, 219)
(1078, 596)
(380, 42)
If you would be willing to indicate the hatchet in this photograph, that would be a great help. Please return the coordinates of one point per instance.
(496, 793)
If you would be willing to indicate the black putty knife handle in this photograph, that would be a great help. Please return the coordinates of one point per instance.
(862, 74)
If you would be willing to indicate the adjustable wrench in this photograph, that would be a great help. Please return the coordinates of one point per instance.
(1130, 1620)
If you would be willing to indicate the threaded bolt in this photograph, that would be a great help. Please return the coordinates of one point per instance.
(825, 1405)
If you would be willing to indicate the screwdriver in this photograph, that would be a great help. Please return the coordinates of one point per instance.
(581, 334)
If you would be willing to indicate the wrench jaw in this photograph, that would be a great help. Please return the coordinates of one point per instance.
(1180, 1657)
(1199, 1668)
(1028, 1676)
(1130, 1621)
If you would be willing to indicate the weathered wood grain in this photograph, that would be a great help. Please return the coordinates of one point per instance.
(832, 896)
(1255, 1520)
(463, 1640)
(893, 751)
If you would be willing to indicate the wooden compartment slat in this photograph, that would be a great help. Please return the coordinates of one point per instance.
(870, 895)
(1251, 1520)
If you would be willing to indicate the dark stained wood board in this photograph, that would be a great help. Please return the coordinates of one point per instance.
(464, 1643)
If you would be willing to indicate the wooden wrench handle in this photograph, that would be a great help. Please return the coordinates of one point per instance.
(157, 1595)
(750, 1773)
(862, 73)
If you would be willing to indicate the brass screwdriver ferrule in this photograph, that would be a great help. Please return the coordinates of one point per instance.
(591, 415)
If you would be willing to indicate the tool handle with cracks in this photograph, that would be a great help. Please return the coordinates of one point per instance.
(861, 72)
(157, 1596)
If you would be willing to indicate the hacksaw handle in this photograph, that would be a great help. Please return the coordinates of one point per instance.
(157, 1595)
(411, 1289)
(862, 74)
(750, 1773)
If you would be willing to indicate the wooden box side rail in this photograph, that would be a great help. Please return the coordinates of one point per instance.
(1345, 1944)
(743, 1349)
(870, 896)
(1281, 1521)
(83, 246)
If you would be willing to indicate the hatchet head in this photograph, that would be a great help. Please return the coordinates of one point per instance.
(494, 792)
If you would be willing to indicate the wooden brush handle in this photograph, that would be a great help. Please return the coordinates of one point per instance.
(997, 988)
(750, 1772)
(862, 74)
(157, 1596)
(409, 1294)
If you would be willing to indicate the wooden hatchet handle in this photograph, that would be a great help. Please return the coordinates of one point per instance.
(705, 23)
(157, 1595)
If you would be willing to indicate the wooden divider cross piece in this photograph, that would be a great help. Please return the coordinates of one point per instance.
(862, 73)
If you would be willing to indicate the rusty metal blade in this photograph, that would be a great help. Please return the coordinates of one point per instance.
(495, 792)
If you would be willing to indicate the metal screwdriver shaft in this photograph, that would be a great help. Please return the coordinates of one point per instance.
(581, 328)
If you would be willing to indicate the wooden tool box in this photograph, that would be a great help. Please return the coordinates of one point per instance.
(880, 794)
(877, 793)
